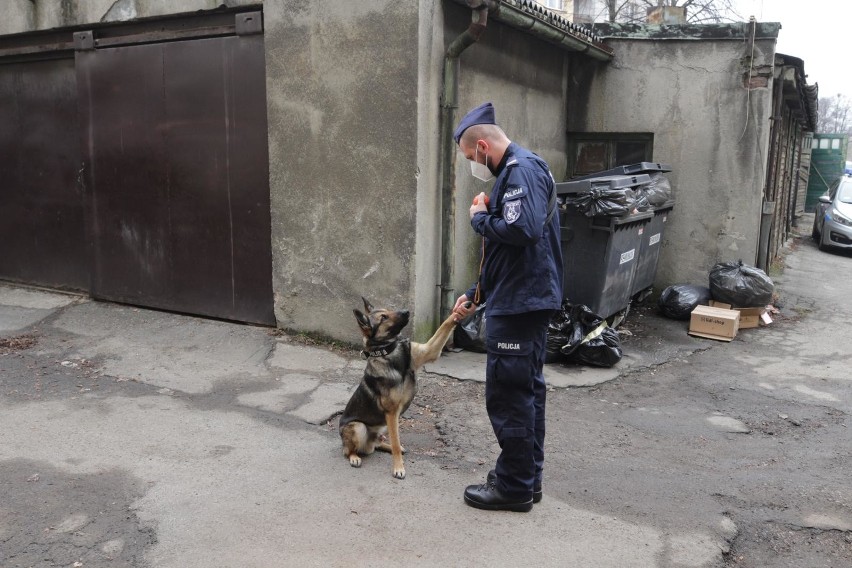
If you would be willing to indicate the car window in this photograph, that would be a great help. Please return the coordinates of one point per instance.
(832, 189)
(845, 194)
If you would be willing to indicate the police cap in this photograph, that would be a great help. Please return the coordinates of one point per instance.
(483, 114)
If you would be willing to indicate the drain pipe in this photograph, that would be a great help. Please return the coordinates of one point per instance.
(771, 183)
(449, 105)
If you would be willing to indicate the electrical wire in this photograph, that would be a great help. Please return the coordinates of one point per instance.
(753, 23)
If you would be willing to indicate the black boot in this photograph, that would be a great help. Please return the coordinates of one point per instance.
(487, 496)
(537, 494)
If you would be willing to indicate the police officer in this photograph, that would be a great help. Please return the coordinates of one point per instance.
(521, 283)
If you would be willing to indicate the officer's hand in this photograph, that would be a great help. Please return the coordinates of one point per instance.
(480, 204)
(463, 308)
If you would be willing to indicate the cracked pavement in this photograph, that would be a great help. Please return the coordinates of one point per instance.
(133, 437)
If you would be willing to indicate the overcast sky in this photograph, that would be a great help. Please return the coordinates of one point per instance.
(815, 31)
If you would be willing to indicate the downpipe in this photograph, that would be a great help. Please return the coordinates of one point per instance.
(449, 107)
(766, 217)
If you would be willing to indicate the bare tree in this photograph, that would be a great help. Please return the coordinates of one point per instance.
(835, 115)
(616, 10)
(697, 11)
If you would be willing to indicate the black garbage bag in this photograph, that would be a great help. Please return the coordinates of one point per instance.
(558, 334)
(740, 285)
(609, 202)
(470, 332)
(582, 320)
(641, 203)
(565, 330)
(600, 348)
(658, 190)
(678, 301)
(590, 341)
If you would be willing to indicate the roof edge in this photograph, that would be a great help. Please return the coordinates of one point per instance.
(532, 18)
(808, 95)
(730, 31)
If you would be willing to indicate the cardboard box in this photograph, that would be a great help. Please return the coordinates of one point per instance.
(749, 317)
(714, 323)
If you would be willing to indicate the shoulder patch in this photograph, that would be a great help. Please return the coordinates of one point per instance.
(511, 211)
(514, 192)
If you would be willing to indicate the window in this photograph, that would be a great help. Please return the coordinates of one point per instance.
(846, 193)
(832, 189)
(594, 152)
(835, 144)
(823, 143)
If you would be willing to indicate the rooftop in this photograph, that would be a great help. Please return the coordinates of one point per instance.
(734, 31)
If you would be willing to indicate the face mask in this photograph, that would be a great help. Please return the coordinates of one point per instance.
(480, 171)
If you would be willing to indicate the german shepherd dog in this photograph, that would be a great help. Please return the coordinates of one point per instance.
(389, 383)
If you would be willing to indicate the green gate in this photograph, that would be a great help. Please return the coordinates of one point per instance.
(828, 157)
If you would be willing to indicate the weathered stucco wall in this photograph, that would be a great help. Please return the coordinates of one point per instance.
(714, 132)
(353, 105)
(526, 79)
(18, 16)
(354, 95)
(426, 274)
(342, 90)
(29, 15)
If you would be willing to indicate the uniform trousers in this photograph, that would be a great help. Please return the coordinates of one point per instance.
(515, 394)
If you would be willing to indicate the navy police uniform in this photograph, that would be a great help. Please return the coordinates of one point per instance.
(521, 283)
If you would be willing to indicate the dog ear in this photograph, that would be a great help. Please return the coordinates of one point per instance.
(363, 322)
(368, 307)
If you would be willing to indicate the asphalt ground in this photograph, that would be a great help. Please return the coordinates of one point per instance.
(133, 437)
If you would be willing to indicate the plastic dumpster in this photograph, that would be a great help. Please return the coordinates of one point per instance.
(649, 249)
(599, 258)
(573, 187)
(632, 169)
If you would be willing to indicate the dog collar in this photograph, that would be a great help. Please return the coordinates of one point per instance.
(383, 351)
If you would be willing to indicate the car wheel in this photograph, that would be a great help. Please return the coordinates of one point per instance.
(815, 234)
(821, 245)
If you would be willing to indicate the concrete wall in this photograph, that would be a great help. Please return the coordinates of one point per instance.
(353, 109)
(30, 15)
(342, 91)
(354, 93)
(527, 80)
(427, 276)
(18, 16)
(713, 130)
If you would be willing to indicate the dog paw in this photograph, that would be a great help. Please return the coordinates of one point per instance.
(399, 473)
(355, 461)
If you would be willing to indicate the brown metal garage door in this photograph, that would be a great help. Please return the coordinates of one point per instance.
(138, 171)
(176, 162)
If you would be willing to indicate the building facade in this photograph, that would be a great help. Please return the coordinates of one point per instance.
(274, 162)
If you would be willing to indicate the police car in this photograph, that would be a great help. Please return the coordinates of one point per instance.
(833, 216)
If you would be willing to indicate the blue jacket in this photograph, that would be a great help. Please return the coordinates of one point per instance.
(522, 271)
